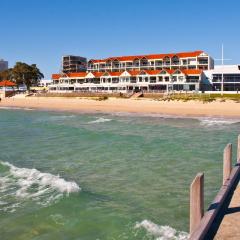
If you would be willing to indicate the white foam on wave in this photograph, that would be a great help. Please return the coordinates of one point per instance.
(56, 118)
(61, 117)
(16, 108)
(161, 232)
(208, 122)
(25, 183)
(101, 120)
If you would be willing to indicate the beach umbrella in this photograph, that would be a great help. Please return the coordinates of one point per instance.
(7, 83)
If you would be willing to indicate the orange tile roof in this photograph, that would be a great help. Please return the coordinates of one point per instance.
(98, 74)
(56, 76)
(68, 75)
(192, 71)
(134, 72)
(150, 56)
(76, 74)
(152, 72)
(115, 74)
(7, 83)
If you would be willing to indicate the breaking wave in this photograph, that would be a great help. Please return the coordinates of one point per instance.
(62, 117)
(208, 122)
(16, 108)
(20, 184)
(161, 232)
(101, 120)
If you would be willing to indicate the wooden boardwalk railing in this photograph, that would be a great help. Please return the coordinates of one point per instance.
(204, 226)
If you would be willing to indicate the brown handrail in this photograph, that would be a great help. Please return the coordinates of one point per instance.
(202, 227)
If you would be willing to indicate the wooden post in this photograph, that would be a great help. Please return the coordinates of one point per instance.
(227, 162)
(238, 149)
(196, 201)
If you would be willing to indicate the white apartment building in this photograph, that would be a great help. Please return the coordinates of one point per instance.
(184, 60)
(226, 76)
(156, 72)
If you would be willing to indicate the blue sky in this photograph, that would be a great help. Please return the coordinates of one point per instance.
(42, 31)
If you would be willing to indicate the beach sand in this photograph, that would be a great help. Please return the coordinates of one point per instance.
(138, 106)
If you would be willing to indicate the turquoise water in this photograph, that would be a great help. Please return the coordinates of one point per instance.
(98, 176)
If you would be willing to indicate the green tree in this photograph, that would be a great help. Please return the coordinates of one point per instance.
(23, 73)
(6, 74)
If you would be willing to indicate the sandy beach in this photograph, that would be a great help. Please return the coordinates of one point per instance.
(228, 109)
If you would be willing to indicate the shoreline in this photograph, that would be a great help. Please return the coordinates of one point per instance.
(139, 107)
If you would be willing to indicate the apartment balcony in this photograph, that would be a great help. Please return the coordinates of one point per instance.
(115, 66)
(115, 81)
(202, 62)
(136, 64)
(192, 62)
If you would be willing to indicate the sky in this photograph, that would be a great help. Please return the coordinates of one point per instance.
(41, 31)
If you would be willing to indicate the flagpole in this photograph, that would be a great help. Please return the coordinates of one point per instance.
(222, 71)
(222, 88)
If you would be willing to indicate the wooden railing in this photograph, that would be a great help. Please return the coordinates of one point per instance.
(204, 226)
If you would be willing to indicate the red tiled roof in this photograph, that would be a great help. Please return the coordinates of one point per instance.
(152, 72)
(192, 71)
(69, 75)
(134, 72)
(115, 74)
(56, 76)
(7, 83)
(98, 74)
(150, 56)
(76, 74)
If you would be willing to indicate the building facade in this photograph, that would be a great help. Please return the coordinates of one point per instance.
(3, 65)
(129, 81)
(74, 64)
(45, 82)
(226, 77)
(185, 60)
(156, 72)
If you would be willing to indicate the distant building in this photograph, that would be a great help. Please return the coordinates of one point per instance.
(151, 73)
(45, 82)
(73, 64)
(169, 61)
(231, 77)
(3, 65)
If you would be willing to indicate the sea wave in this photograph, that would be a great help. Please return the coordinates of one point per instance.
(100, 120)
(17, 184)
(61, 117)
(208, 122)
(55, 118)
(161, 232)
(16, 108)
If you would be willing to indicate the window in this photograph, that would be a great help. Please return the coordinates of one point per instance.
(192, 79)
(152, 79)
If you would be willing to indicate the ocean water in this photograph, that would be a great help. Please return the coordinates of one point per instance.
(105, 177)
